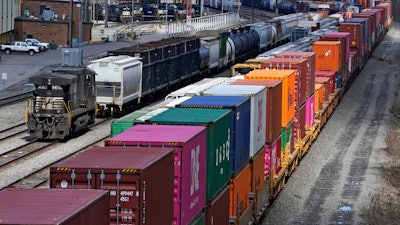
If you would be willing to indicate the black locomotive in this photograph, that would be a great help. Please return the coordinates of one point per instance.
(63, 103)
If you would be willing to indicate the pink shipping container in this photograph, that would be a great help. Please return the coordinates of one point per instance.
(217, 211)
(298, 64)
(140, 194)
(311, 64)
(54, 207)
(332, 79)
(299, 124)
(190, 143)
(275, 150)
(310, 112)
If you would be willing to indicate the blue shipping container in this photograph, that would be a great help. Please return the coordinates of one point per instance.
(240, 143)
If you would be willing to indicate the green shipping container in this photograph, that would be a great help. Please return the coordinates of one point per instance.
(218, 123)
(286, 137)
(124, 123)
(199, 220)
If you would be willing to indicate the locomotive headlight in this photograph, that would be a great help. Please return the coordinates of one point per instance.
(58, 111)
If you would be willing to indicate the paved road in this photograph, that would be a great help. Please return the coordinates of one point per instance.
(18, 67)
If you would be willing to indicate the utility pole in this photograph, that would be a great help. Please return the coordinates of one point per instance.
(133, 14)
(69, 41)
(276, 8)
(188, 12)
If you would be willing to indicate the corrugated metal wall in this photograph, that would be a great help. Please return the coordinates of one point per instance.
(9, 9)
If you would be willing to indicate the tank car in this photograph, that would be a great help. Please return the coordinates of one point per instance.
(63, 103)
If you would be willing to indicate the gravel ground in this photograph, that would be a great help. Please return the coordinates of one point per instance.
(336, 180)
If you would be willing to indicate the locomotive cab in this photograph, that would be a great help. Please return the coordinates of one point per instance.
(63, 103)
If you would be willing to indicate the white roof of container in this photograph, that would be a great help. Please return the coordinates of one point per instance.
(120, 60)
(226, 89)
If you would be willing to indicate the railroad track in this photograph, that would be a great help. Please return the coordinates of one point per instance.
(12, 131)
(15, 98)
(35, 158)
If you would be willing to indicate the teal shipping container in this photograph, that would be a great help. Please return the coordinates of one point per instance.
(124, 123)
(218, 123)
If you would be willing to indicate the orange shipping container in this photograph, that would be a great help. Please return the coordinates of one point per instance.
(328, 55)
(319, 97)
(325, 81)
(288, 84)
(257, 171)
(239, 188)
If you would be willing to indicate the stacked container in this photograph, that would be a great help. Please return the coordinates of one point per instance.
(219, 134)
(257, 95)
(190, 144)
(328, 55)
(311, 60)
(333, 79)
(54, 206)
(140, 181)
(240, 106)
(298, 64)
(356, 38)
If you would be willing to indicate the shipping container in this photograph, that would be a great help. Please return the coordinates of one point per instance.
(190, 144)
(273, 103)
(275, 150)
(299, 124)
(287, 139)
(239, 188)
(288, 82)
(257, 95)
(310, 112)
(319, 97)
(240, 105)
(54, 207)
(298, 64)
(327, 90)
(311, 60)
(344, 37)
(334, 79)
(217, 211)
(257, 171)
(124, 123)
(219, 134)
(328, 55)
(355, 30)
(139, 193)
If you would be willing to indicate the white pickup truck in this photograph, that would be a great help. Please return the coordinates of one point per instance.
(43, 46)
(19, 46)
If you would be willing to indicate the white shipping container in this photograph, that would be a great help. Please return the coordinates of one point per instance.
(258, 111)
(118, 79)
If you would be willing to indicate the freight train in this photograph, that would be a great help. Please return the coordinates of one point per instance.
(163, 65)
(234, 143)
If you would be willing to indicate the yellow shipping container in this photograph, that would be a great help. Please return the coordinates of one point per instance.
(288, 85)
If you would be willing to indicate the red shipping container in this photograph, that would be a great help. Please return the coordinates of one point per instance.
(275, 150)
(257, 171)
(190, 143)
(298, 64)
(240, 187)
(325, 82)
(54, 206)
(217, 211)
(332, 79)
(311, 63)
(299, 124)
(274, 105)
(142, 194)
(355, 30)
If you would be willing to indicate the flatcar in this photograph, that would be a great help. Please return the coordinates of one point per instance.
(63, 103)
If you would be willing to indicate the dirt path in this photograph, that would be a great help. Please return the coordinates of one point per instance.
(342, 173)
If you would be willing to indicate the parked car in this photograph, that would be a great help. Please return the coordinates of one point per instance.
(19, 46)
(43, 46)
